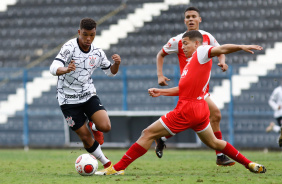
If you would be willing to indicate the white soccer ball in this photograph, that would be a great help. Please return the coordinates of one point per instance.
(86, 164)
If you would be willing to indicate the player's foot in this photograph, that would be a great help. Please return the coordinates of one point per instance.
(270, 127)
(223, 160)
(160, 145)
(98, 136)
(109, 171)
(256, 168)
(280, 139)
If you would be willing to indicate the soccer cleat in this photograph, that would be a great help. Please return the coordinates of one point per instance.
(280, 139)
(256, 168)
(223, 160)
(160, 145)
(109, 171)
(270, 127)
(98, 136)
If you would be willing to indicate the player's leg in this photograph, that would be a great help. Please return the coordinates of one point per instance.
(100, 122)
(92, 146)
(210, 140)
(99, 119)
(215, 117)
(273, 127)
(279, 121)
(75, 118)
(139, 148)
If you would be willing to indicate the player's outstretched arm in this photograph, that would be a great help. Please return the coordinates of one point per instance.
(155, 92)
(160, 62)
(230, 48)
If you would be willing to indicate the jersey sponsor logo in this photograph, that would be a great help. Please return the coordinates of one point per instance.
(70, 122)
(205, 43)
(79, 96)
(92, 61)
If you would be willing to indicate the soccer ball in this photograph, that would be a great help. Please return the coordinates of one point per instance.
(86, 164)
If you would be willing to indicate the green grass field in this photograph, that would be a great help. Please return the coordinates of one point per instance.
(176, 166)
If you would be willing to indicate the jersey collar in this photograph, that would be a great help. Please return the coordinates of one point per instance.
(81, 48)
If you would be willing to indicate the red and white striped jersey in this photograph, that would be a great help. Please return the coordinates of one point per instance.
(174, 45)
(195, 77)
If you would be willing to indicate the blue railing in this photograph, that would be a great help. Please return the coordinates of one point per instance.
(126, 75)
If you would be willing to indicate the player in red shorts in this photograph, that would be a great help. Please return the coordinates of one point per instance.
(192, 20)
(192, 110)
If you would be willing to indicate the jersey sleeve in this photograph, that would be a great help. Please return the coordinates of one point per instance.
(213, 41)
(54, 67)
(171, 46)
(105, 64)
(273, 99)
(203, 53)
(65, 54)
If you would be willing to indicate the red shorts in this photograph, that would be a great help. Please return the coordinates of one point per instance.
(187, 114)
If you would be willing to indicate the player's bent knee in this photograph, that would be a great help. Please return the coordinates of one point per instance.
(215, 116)
(146, 133)
(106, 127)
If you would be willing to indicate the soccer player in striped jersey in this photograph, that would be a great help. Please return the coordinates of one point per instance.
(192, 111)
(76, 93)
(192, 21)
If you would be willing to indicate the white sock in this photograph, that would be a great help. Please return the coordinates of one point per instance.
(100, 155)
(94, 127)
(276, 128)
(164, 138)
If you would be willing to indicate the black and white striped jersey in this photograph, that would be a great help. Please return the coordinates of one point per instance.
(77, 86)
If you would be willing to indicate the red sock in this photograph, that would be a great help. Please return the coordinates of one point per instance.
(169, 136)
(107, 164)
(230, 151)
(134, 152)
(218, 135)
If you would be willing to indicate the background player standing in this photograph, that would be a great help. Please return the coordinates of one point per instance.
(275, 102)
(192, 110)
(76, 93)
(192, 20)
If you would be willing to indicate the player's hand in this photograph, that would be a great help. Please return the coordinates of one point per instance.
(162, 80)
(223, 67)
(249, 48)
(116, 59)
(154, 92)
(71, 66)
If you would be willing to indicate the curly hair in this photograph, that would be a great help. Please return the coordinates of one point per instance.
(87, 23)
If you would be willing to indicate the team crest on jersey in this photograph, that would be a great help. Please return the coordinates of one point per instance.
(184, 73)
(70, 122)
(92, 60)
(168, 44)
(65, 54)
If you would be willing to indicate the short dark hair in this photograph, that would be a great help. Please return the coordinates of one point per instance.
(191, 8)
(194, 35)
(87, 23)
